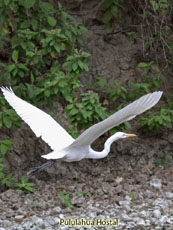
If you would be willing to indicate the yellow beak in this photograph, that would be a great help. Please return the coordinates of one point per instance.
(130, 135)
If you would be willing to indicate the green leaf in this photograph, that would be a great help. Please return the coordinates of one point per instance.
(62, 84)
(11, 67)
(34, 24)
(114, 10)
(32, 78)
(69, 107)
(24, 179)
(101, 84)
(36, 59)
(142, 65)
(21, 73)
(7, 122)
(166, 118)
(68, 98)
(22, 66)
(1, 175)
(106, 4)
(51, 21)
(74, 66)
(29, 188)
(25, 24)
(8, 143)
(127, 124)
(70, 58)
(15, 56)
(27, 4)
(29, 54)
(47, 93)
(3, 149)
(46, 7)
(107, 16)
(155, 67)
(85, 67)
(80, 64)
(85, 55)
(73, 111)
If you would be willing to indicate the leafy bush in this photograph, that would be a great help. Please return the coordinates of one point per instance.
(112, 11)
(153, 17)
(5, 180)
(45, 42)
(115, 90)
(151, 81)
(8, 180)
(153, 121)
(87, 112)
(24, 185)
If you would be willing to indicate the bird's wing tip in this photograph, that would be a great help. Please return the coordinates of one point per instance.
(160, 93)
(157, 94)
(6, 89)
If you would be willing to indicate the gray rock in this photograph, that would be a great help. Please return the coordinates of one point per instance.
(169, 195)
(155, 182)
(160, 202)
(163, 220)
(157, 213)
(78, 200)
(140, 222)
(124, 202)
(57, 209)
(19, 217)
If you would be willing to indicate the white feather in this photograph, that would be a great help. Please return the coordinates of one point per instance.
(42, 124)
(127, 113)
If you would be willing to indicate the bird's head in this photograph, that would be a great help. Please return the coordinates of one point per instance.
(115, 137)
(121, 135)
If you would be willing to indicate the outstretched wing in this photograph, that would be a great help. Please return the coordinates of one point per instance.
(127, 113)
(42, 124)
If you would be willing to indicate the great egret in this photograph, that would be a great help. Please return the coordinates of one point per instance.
(63, 145)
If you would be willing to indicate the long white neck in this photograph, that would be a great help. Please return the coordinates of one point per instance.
(97, 155)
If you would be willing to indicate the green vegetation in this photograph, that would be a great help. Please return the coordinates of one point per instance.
(84, 194)
(66, 198)
(132, 196)
(24, 185)
(112, 11)
(87, 112)
(162, 118)
(153, 17)
(8, 180)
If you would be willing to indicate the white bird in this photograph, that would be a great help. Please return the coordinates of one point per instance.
(63, 145)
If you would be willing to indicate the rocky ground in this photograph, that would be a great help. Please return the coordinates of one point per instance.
(141, 199)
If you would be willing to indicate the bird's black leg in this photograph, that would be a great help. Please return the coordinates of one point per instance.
(40, 168)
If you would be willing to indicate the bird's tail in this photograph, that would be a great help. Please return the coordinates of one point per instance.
(40, 168)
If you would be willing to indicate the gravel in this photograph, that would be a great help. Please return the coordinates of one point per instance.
(136, 203)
